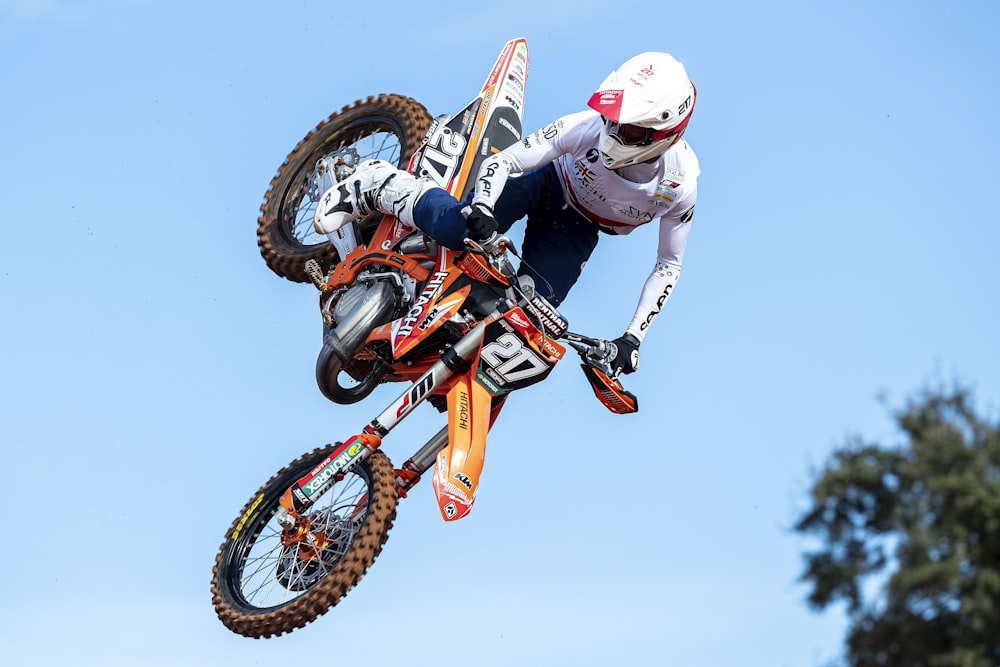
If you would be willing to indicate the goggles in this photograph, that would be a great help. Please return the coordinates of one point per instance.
(635, 135)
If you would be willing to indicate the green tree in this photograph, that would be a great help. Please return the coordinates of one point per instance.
(910, 539)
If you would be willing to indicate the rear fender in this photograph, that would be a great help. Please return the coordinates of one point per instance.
(460, 463)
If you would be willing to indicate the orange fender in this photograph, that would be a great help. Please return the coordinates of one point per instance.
(460, 463)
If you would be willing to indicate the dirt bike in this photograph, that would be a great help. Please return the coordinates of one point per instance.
(461, 328)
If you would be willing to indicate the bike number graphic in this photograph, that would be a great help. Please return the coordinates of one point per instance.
(512, 359)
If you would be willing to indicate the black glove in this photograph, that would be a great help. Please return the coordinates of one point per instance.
(626, 359)
(480, 222)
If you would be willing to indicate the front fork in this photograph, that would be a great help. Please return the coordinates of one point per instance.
(301, 495)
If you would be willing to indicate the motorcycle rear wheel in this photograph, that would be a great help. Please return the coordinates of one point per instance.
(263, 587)
(386, 127)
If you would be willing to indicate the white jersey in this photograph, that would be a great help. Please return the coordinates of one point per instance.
(617, 201)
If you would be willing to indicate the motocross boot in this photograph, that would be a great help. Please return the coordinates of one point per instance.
(375, 185)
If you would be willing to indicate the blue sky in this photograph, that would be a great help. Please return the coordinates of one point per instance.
(154, 373)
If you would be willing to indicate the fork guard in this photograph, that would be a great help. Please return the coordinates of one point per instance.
(610, 392)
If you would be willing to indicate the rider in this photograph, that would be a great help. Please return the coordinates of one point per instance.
(611, 168)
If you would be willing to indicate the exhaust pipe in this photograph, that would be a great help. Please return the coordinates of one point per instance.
(357, 313)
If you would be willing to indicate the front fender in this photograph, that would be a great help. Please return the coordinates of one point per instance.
(460, 464)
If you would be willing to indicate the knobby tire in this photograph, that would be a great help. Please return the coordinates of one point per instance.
(243, 617)
(284, 227)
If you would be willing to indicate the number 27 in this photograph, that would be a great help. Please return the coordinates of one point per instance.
(507, 353)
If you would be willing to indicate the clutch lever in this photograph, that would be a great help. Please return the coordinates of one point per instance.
(495, 248)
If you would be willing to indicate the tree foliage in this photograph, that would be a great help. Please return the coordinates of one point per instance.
(920, 523)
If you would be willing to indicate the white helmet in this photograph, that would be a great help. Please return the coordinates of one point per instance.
(646, 104)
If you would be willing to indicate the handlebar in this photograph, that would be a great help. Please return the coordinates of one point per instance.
(594, 351)
(494, 246)
(597, 355)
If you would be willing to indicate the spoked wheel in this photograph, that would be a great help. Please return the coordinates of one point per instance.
(268, 580)
(387, 127)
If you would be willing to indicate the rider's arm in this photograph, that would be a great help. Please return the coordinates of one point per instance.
(541, 147)
(674, 231)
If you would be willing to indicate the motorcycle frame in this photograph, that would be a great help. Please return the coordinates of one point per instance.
(472, 406)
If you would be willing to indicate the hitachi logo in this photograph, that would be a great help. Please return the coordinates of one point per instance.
(463, 410)
(415, 313)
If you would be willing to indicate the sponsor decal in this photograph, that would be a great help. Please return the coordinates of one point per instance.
(516, 318)
(498, 67)
(510, 128)
(249, 513)
(642, 217)
(450, 510)
(676, 174)
(429, 320)
(685, 105)
(659, 306)
(415, 395)
(463, 409)
(550, 131)
(513, 91)
(416, 312)
(585, 172)
(664, 195)
(514, 103)
(464, 480)
(552, 321)
(447, 489)
(552, 350)
(495, 377)
(319, 482)
(517, 83)
(488, 382)
(488, 171)
(687, 215)
(609, 97)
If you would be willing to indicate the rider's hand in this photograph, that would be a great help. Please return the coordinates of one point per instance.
(480, 222)
(626, 359)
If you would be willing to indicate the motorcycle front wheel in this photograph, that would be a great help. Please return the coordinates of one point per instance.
(386, 127)
(268, 580)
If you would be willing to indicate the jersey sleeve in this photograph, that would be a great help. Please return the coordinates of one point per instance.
(541, 147)
(674, 230)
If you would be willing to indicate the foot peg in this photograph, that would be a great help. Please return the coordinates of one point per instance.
(316, 275)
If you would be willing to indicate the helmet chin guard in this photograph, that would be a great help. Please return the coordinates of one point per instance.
(646, 105)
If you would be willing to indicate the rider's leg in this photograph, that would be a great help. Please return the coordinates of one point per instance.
(438, 213)
(558, 241)
(375, 185)
(555, 251)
